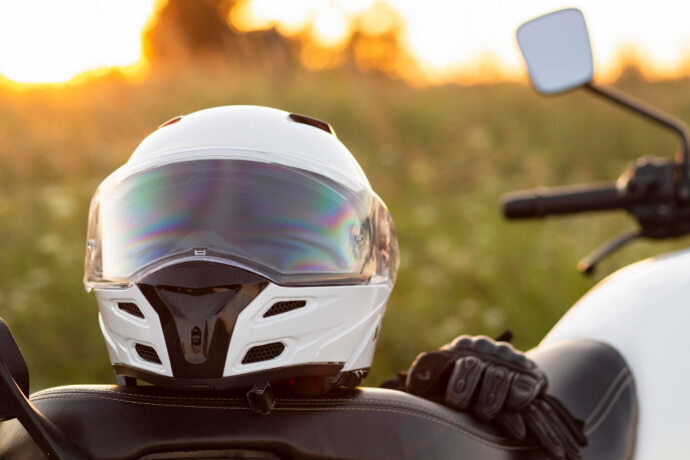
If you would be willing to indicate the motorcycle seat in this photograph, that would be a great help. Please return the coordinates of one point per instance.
(109, 422)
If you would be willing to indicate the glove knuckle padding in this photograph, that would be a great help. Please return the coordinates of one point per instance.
(524, 389)
(463, 342)
(483, 344)
(464, 381)
(506, 352)
(493, 393)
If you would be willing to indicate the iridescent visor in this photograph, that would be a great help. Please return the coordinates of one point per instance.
(288, 224)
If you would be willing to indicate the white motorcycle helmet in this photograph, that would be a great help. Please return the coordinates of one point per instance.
(239, 245)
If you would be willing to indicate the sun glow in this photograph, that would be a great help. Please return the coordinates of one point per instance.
(43, 41)
(472, 42)
(429, 42)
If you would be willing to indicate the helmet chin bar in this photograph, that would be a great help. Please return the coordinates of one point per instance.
(205, 325)
(198, 304)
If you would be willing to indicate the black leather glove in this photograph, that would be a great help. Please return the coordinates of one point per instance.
(498, 383)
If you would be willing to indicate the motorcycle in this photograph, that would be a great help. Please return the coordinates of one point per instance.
(616, 359)
(640, 309)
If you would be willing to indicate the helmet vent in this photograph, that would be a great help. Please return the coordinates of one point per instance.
(322, 125)
(284, 307)
(147, 353)
(263, 352)
(172, 121)
(130, 308)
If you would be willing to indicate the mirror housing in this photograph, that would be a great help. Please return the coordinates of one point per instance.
(557, 51)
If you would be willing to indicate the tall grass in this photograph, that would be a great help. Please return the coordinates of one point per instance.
(440, 157)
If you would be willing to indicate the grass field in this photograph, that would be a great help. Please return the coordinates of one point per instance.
(440, 157)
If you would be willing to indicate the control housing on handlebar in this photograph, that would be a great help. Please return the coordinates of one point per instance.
(653, 190)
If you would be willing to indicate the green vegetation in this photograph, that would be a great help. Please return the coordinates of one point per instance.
(440, 157)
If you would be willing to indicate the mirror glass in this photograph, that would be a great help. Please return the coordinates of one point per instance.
(556, 49)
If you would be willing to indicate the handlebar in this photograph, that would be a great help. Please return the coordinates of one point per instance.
(563, 200)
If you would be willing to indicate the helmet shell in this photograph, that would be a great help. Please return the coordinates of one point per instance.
(279, 331)
(270, 134)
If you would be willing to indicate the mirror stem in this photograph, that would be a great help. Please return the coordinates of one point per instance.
(651, 113)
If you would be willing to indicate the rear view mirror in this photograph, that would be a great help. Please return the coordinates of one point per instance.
(557, 52)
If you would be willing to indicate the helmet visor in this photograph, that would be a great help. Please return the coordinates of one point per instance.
(290, 225)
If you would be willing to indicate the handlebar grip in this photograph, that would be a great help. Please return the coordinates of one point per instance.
(563, 200)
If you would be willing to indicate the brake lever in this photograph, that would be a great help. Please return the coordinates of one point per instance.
(589, 263)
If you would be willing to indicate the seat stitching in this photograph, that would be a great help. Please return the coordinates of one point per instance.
(305, 409)
(115, 390)
(351, 402)
(48, 394)
(614, 399)
(43, 393)
(408, 406)
(405, 405)
(613, 386)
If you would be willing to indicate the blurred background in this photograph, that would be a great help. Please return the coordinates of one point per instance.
(430, 97)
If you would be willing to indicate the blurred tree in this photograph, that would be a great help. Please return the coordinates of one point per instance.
(187, 29)
(194, 29)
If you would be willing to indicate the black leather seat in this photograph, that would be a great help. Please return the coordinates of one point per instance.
(148, 422)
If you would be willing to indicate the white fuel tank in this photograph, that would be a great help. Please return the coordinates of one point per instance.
(644, 312)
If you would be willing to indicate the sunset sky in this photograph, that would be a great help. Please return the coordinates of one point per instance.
(43, 41)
